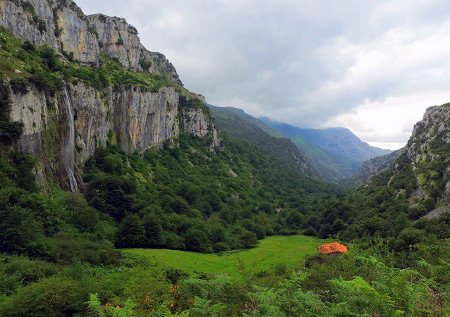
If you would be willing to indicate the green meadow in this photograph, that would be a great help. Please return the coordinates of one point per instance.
(270, 252)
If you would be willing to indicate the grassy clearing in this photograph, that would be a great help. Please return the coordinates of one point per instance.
(272, 251)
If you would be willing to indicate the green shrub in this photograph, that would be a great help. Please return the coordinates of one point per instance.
(19, 85)
(53, 296)
(145, 64)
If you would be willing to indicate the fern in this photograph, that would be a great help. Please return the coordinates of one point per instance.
(94, 306)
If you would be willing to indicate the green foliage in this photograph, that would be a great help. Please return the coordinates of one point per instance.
(186, 197)
(19, 85)
(95, 308)
(145, 64)
(58, 248)
(44, 69)
(9, 131)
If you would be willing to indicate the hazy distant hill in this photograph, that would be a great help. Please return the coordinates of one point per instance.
(237, 123)
(335, 152)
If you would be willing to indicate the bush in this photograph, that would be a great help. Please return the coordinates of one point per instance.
(145, 64)
(65, 248)
(131, 232)
(197, 240)
(53, 296)
(10, 132)
(19, 85)
(310, 231)
(28, 46)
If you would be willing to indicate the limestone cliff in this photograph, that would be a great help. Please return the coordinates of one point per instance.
(65, 123)
(422, 171)
(427, 150)
(62, 25)
(131, 118)
(57, 23)
(120, 40)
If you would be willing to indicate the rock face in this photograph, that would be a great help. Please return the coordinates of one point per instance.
(31, 20)
(378, 164)
(120, 40)
(199, 123)
(59, 24)
(64, 129)
(428, 150)
(63, 26)
(131, 118)
(422, 171)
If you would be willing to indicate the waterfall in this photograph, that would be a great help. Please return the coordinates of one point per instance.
(69, 144)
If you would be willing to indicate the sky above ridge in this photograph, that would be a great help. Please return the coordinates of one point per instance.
(370, 66)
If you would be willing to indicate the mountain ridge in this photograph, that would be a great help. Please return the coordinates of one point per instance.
(336, 152)
(237, 123)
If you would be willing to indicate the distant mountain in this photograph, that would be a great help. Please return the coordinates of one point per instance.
(237, 123)
(335, 152)
(248, 118)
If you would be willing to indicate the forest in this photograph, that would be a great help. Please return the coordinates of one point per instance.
(67, 254)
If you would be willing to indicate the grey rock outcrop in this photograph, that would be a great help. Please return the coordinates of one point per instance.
(62, 25)
(120, 40)
(31, 20)
(429, 145)
(198, 122)
(421, 173)
(133, 118)
(378, 164)
(59, 24)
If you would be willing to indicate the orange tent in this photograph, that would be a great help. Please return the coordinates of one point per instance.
(331, 248)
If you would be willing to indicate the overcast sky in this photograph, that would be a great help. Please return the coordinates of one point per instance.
(371, 66)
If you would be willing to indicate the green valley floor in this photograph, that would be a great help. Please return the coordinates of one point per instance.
(270, 252)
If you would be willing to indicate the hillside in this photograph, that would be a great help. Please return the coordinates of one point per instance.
(378, 164)
(78, 82)
(415, 186)
(237, 123)
(422, 172)
(143, 153)
(336, 152)
(123, 195)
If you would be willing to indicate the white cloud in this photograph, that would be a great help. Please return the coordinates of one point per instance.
(308, 63)
(388, 122)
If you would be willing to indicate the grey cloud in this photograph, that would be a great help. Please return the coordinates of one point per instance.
(295, 61)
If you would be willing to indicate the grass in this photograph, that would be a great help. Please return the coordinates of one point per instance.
(272, 251)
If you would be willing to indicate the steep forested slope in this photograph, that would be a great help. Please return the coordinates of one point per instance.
(415, 185)
(237, 123)
(84, 106)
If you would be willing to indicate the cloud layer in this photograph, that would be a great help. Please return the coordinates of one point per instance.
(371, 66)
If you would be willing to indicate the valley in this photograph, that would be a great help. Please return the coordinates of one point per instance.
(271, 253)
(124, 194)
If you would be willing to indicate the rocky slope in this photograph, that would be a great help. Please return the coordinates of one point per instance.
(63, 26)
(422, 171)
(64, 125)
(378, 164)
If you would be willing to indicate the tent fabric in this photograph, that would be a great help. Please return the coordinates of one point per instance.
(331, 248)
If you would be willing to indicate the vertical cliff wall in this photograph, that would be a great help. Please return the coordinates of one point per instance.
(63, 128)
